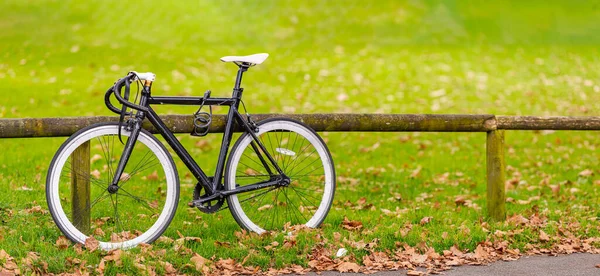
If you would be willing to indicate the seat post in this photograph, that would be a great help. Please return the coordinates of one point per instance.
(237, 90)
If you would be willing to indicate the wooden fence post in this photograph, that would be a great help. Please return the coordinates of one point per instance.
(496, 197)
(80, 187)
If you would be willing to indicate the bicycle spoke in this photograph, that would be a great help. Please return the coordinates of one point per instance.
(138, 210)
(88, 209)
(286, 164)
(139, 200)
(299, 155)
(301, 162)
(85, 177)
(302, 198)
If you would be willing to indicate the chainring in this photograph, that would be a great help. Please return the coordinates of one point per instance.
(208, 207)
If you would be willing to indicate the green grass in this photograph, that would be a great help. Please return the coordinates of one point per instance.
(509, 58)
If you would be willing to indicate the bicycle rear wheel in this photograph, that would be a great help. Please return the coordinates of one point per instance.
(81, 204)
(303, 157)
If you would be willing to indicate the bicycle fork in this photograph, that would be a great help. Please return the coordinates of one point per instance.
(134, 125)
(135, 133)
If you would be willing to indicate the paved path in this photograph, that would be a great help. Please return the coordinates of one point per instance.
(563, 265)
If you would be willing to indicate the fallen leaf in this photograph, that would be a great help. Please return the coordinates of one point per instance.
(98, 232)
(91, 244)
(169, 269)
(425, 220)
(78, 248)
(416, 172)
(222, 244)
(250, 171)
(153, 204)
(480, 253)
(114, 256)
(265, 207)
(415, 273)
(124, 177)
(517, 220)
(342, 97)
(62, 242)
(36, 209)
(95, 158)
(351, 225)
(586, 173)
(543, 236)
(459, 200)
(152, 176)
(203, 145)
(348, 266)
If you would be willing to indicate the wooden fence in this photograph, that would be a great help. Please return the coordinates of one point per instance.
(494, 126)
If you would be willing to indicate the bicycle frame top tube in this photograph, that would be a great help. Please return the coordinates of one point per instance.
(233, 116)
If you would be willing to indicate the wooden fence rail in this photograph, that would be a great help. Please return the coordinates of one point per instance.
(493, 125)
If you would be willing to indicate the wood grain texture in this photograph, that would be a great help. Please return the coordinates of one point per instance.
(80, 187)
(496, 175)
(52, 127)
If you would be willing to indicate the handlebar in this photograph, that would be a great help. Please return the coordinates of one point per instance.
(126, 81)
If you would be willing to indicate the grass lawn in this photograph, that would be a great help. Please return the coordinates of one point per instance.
(422, 191)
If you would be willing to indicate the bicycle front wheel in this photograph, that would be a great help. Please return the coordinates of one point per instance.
(81, 204)
(303, 157)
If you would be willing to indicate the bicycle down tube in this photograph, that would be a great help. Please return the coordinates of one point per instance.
(233, 116)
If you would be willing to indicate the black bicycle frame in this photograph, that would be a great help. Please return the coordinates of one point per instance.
(213, 188)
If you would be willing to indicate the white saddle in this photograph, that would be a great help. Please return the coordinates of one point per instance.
(252, 59)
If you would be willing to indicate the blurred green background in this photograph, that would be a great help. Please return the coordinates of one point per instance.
(384, 56)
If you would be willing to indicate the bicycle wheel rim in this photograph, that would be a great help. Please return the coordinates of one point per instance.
(61, 211)
(244, 215)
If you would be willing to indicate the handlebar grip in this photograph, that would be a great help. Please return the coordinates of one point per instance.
(110, 106)
(117, 92)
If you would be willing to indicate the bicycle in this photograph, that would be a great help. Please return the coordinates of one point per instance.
(278, 173)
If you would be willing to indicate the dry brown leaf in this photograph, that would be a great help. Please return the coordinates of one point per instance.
(95, 174)
(114, 256)
(415, 273)
(101, 266)
(459, 200)
(152, 176)
(543, 236)
(78, 248)
(203, 145)
(586, 173)
(416, 172)
(153, 204)
(250, 171)
(480, 253)
(36, 209)
(555, 189)
(222, 244)
(124, 177)
(517, 220)
(265, 207)
(169, 269)
(62, 242)
(165, 239)
(95, 158)
(351, 225)
(425, 220)
(91, 244)
(348, 266)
